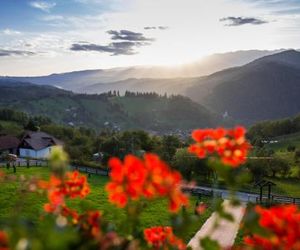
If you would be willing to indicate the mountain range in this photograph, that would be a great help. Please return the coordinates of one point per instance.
(267, 88)
(258, 85)
(144, 78)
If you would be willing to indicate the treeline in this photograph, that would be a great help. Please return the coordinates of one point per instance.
(269, 129)
(116, 93)
(23, 119)
(143, 94)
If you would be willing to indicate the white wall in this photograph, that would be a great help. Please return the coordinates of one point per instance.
(39, 154)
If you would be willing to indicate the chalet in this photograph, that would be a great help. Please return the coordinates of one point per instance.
(9, 144)
(37, 145)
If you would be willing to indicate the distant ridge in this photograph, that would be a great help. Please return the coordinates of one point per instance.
(99, 81)
(267, 88)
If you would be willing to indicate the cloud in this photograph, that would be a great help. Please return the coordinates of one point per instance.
(128, 41)
(42, 5)
(88, 1)
(289, 11)
(128, 35)
(163, 27)
(156, 27)
(150, 28)
(4, 52)
(10, 32)
(52, 18)
(238, 21)
(115, 48)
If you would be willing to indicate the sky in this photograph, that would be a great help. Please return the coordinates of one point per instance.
(40, 37)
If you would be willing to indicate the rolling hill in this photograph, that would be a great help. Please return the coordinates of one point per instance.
(267, 88)
(141, 111)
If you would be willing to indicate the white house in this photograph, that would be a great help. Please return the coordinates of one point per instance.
(37, 145)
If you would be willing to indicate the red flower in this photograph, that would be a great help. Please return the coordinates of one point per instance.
(72, 185)
(3, 241)
(230, 145)
(76, 185)
(201, 208)
(126, 179)
(90, 223)
(282, 225)
(163, 238)
(148, 178)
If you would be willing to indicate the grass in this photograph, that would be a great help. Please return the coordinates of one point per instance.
(14, 202)
(286, 186)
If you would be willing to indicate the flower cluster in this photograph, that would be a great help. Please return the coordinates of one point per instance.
(148, 178)
(282, 224)
(72, 185)
(163, 238)
(230, 145)
(3, 241)
(90, 222)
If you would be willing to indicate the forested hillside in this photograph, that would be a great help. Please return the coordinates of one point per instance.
(148, 111)
(265, 89)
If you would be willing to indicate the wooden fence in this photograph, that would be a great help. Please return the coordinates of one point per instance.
(89, 170)
(37, 163)
(44, 163)
(279, 199)
(196, 191)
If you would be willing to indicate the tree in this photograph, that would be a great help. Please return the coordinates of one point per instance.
(278, 165)
(31, 125)
(190, 166)
(170, 143)
(258, 168)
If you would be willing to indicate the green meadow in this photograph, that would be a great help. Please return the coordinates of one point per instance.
(17, 203)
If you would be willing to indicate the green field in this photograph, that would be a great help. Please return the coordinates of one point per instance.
(14, 202)
(285, 140)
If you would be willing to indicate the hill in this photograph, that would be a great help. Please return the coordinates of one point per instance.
(274, 129)
(144, 78)
(267, 88)
(147, 111)
(286, 141)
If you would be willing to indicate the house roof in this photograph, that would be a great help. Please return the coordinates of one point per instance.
(39, 140)
(8, 142)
